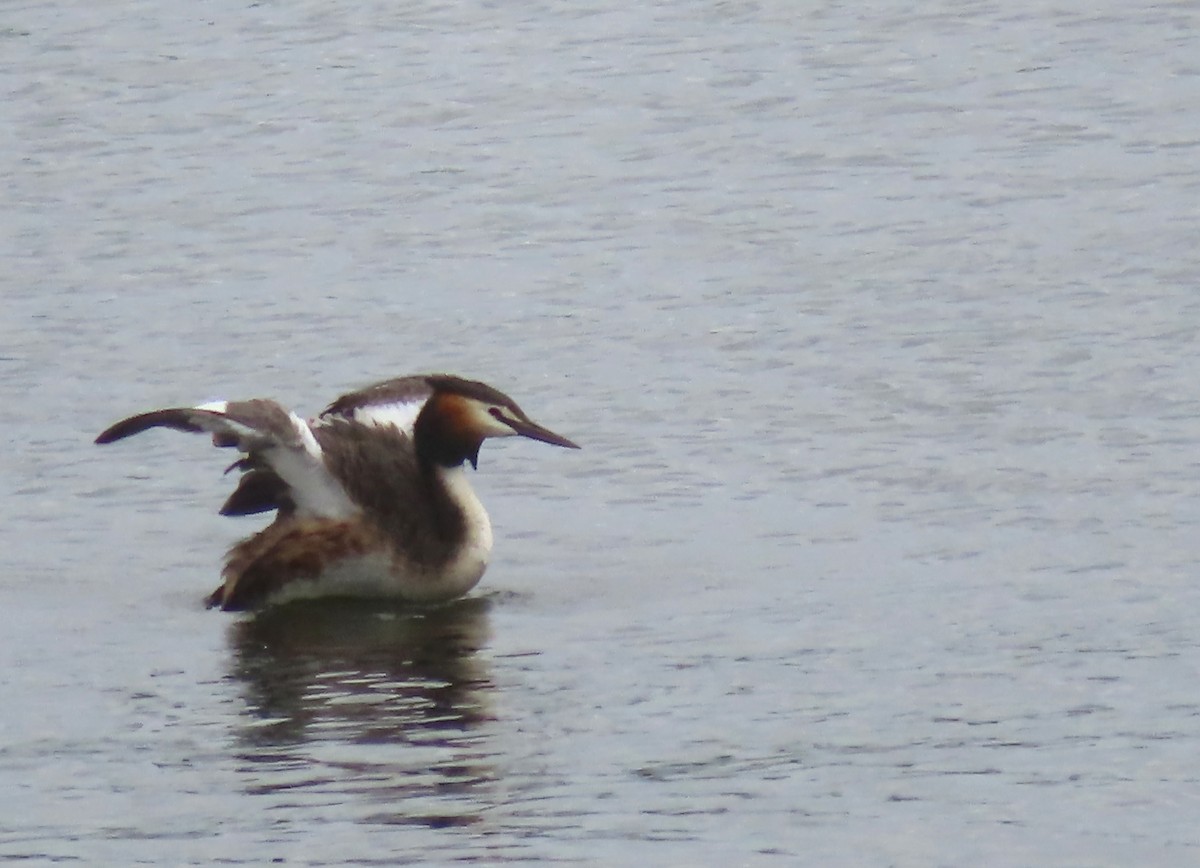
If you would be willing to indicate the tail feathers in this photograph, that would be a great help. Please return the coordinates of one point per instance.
(287, 551)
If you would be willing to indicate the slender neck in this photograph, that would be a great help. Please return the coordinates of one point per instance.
(439, 441)
(446, 513)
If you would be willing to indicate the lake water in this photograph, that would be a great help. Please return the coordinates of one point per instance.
(878, 326)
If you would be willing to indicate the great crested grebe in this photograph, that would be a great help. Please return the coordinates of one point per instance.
(371, 497)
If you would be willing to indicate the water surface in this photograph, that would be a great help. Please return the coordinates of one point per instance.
(878, 327)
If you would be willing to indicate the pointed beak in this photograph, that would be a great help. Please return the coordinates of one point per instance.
(534, 431)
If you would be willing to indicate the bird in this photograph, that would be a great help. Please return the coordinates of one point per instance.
(371, 497)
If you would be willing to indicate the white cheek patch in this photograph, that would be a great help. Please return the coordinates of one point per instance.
(487, 424)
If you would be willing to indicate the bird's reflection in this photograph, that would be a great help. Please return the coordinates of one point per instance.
(351, 698)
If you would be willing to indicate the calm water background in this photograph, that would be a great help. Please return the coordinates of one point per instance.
(879, 327)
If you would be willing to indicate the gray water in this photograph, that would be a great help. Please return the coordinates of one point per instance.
(878, 326)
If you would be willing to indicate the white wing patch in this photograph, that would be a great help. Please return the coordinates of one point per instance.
(314, 489)
(400, 414)
(285, 442)
(267, 433)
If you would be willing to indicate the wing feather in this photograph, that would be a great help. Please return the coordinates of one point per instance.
(395, 402)
(284, 466)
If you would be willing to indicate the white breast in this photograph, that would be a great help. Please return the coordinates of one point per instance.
(465, 569)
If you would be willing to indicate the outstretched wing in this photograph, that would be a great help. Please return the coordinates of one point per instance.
(284, 467)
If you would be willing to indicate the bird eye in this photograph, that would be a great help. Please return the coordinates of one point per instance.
(496, 414)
